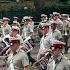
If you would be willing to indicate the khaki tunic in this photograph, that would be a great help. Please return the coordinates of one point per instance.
(59, 23)
(32, 24)
(62, 64)
(26, 30)
(56, 34)
(45, 44)
(19, 60)
(6, 29)
(65, 26)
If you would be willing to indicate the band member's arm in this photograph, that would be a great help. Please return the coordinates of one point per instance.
(25, 62)
(4, 50)
(8, 51)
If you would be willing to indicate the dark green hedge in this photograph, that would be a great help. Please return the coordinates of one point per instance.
(18, 10)
(59, 8)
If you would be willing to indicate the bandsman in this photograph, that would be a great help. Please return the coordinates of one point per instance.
(58, 61)
(6, 26)
(45, 40)
(17, 58)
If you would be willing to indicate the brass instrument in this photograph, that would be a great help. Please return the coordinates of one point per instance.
(41, 64)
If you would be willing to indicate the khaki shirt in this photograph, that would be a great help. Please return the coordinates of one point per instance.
(65, 24)
(32, 24)
(59, 24)
(62, 64)
(6, 29)
(59, 21)
(45, 43)
(19, 60)
(56, 34)
(26, 30)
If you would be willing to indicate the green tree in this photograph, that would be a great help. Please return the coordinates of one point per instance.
(39, 4)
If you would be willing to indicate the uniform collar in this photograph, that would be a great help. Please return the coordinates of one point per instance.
(59, 58)
(54, 30)
(18, 50)
(46, 34)
(5, 25)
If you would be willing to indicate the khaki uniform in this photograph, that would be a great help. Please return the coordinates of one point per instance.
(44, 44)
(60, 64)
(32, 24)
(59, 23)
(56, 34)
(19, 60)
(6, 29)
(65, 34)
(65, 26)
(26, 30)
